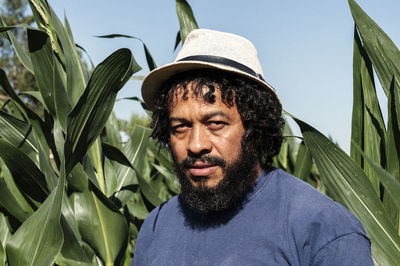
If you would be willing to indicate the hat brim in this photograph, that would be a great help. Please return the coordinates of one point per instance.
(155, 79)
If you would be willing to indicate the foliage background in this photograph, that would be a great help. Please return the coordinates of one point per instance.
(76, 190)
(305, 47)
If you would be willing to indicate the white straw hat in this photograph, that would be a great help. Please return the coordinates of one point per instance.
(208, 49)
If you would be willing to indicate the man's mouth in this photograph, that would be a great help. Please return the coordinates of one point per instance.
(202, 169)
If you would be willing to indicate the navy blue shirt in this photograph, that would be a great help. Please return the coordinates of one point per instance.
(283, 221)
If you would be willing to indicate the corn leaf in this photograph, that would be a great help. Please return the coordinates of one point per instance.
(87, 119)
(42, 14)
(75, 77)
(393, 152)
(72, 253)
(18, 48)
(18, 133)
(47, 76)
(392, 185)
(42, 130)
(134, 151)
(187, 22)
(357, 121)
(28, 178)
(149, 58)
(21, 200)
(10, 204)
(39, 239)
(366, 103)
(4, 235)
(112, 135)
(393, 143)
(348, 184)
(110, 176)
(302, 168)
(383, 52)
(103, 228)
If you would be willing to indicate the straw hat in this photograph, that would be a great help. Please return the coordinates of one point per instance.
(209, 49)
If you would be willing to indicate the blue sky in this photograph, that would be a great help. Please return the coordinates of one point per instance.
(305, 47)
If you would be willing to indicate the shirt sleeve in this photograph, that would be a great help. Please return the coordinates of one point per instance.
(350, 249)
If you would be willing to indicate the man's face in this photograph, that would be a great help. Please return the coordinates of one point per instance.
(214, 170)
(201, 130)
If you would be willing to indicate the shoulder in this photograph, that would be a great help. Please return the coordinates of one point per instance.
(314, 221)
(158, 222)
(167, 211)
(307, 205)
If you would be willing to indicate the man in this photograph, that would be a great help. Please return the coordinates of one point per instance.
(222, 123)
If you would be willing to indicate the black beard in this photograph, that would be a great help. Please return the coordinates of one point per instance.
(228, 194)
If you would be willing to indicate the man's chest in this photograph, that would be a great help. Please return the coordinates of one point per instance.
(222, 246)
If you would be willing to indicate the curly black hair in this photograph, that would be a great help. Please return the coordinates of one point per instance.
(259, 109)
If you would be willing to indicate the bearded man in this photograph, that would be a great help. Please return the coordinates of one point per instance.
(222, 123)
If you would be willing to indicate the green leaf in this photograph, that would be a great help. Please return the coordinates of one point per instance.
(383, 52)
(374, 132)
(177, 39)
(4, 235)
(21, 200)
(39, 239)
(163, 156)
(137, 207)
(149, 58)
(34, 94)
(72, 252)
(169, 177)
(18, 133)
(9, 203)
(112, 134)
(41, 129)
(44, 21)
(103, 228)
(75, 77)
(47, 75)
(283, 157)
(347, 183)
(28, 178)
(393, 142)
(150, 61)
(110, 176)
(357, 121)
(392, 186)
(115, 154)
(134, 151)
(87, 119)
(303, 165)
(110, 36)
(393, 152)
(187, 22)
(18, 48)
(96, 157)
(142, 103)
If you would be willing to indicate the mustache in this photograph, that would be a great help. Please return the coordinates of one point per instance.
(189, 161)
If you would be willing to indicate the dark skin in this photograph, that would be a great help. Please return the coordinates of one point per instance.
(199, 128)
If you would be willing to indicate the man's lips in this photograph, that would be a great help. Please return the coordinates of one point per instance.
(202, 169)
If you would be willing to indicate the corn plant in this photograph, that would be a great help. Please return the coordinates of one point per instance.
(71, 192)
(367, 181)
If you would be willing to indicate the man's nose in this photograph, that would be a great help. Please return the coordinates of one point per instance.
(199, 142)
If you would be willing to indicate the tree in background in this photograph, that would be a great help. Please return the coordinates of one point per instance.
(15, 12)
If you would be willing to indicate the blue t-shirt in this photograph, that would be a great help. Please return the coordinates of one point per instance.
(283, 221)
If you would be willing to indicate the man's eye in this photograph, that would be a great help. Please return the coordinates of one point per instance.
(179, 128)
(216, 125)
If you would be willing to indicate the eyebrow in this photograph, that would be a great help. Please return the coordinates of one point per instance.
(206, 117)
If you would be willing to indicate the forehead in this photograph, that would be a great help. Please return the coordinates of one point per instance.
(190, 93)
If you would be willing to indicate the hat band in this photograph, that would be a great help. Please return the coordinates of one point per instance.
(223, 61)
